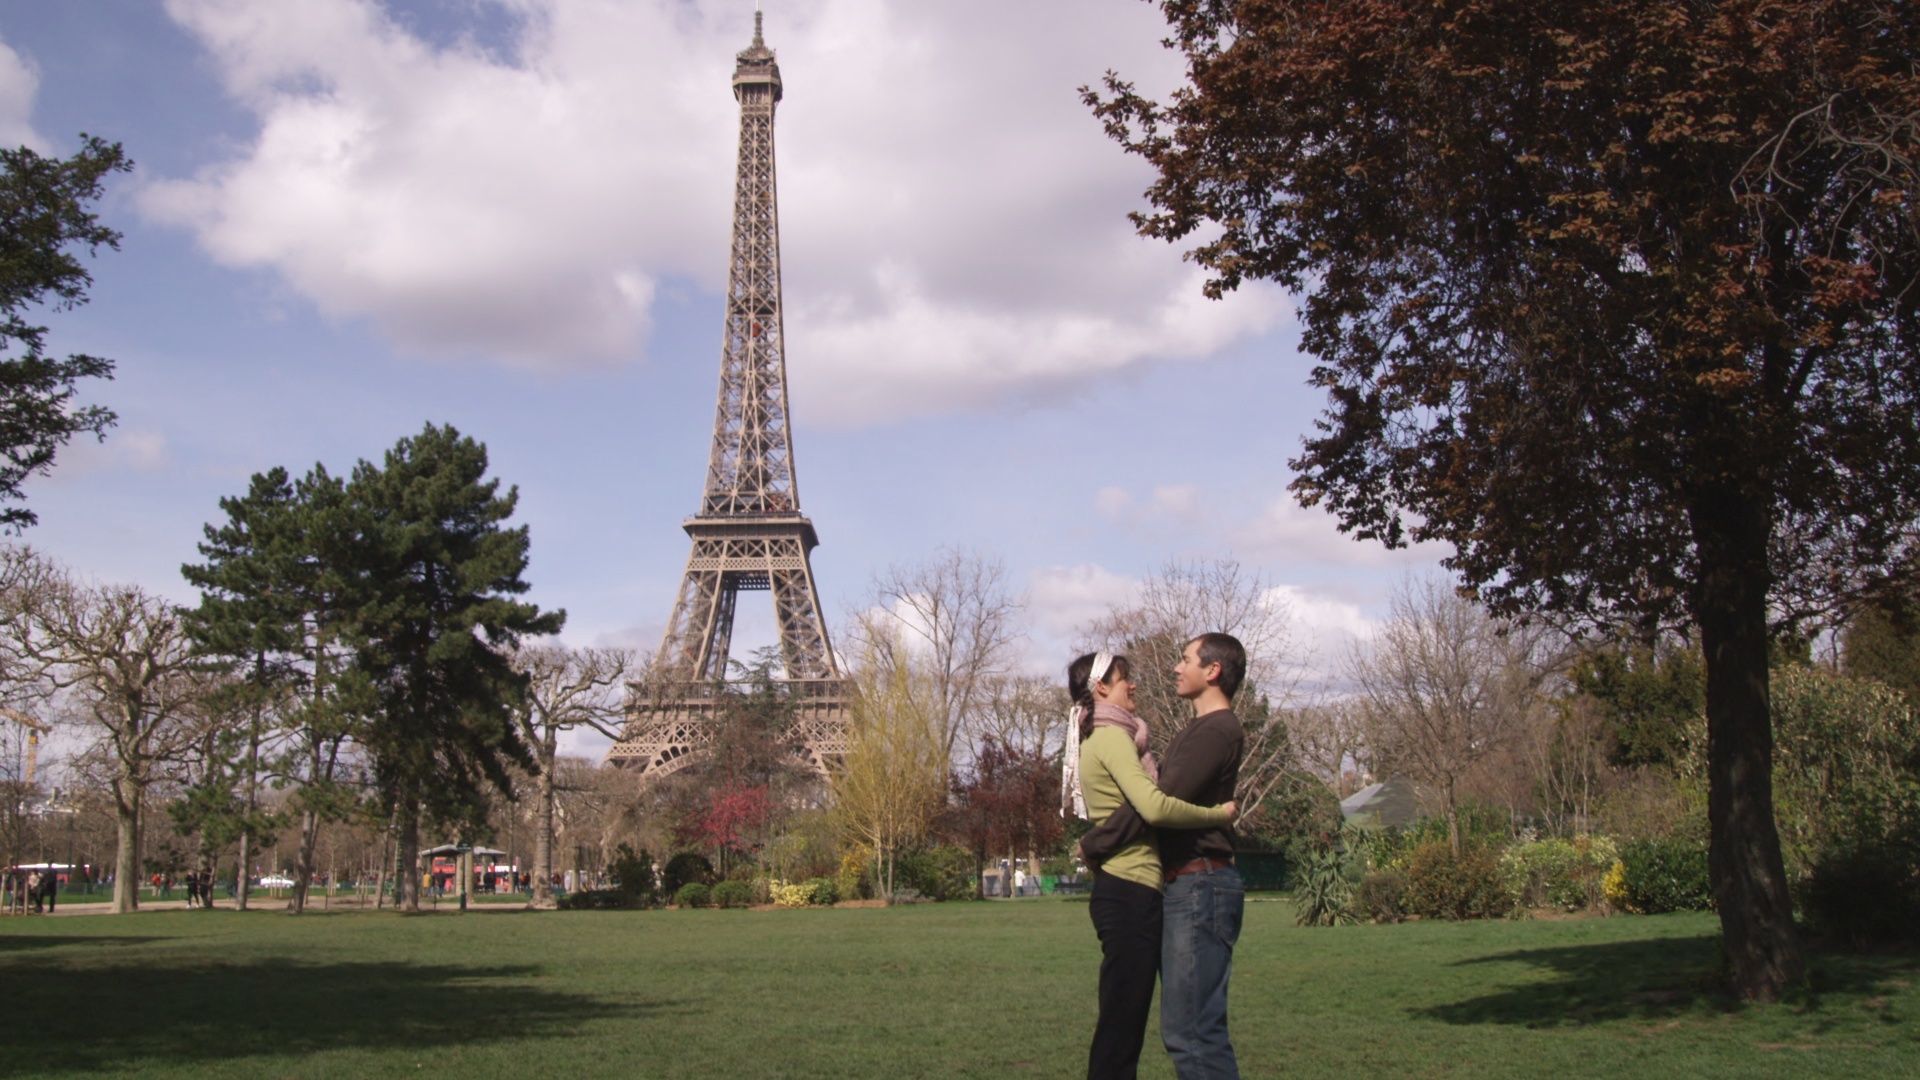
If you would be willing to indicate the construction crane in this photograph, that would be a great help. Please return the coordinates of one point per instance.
(34, 728)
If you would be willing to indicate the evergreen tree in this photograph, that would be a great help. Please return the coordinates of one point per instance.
(437, 621)
(283, 576)
(43, 212)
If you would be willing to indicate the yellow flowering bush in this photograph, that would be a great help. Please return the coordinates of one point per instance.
(1614, 887)
(785, 895)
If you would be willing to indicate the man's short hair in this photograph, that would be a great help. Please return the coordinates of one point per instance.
(1225, 650)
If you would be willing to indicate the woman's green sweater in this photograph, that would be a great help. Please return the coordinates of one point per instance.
(1111, 774)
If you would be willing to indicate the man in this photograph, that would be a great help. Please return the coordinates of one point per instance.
(1204, 894)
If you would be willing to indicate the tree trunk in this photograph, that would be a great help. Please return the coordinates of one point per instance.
(126, 856)
(1743, 860)
(303, 861)
(406, 871)
(240, 873)
(543, 842)
(1453, 820)
(242, 883)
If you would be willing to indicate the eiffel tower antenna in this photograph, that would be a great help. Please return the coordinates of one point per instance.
(749, 534)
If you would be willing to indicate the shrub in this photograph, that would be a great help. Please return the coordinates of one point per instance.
(635, 877)
(732, 894)
(1323, 895)
(1382, 896)
(693, 894)
(686, 867)
(1864, 895)
(1666, 874)
(855, 879)
(1442, 885)
(941, 873)
(1565, 874)
(813, 891)
(597, 900)
(1613, 887)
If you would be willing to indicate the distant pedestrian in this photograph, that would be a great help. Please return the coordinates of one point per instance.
(33, 889)
(50, 884)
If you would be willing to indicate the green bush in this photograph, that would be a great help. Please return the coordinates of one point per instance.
(686, 867)
(1382, 896)
(731, 894)
(633, 873)
(693, 894)
(1865, 895)
(1442, 885)
(597, 900)
(825, 893)
(1666, 874)
(1564, 874)
(941, 873)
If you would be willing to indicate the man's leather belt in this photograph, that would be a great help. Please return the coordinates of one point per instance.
(1197, 865)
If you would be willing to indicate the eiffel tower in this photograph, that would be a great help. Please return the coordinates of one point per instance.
(749, 534)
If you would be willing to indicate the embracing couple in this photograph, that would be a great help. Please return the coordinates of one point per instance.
(1166, 897)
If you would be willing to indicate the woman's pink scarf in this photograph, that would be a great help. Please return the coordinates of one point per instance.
(1106, 714)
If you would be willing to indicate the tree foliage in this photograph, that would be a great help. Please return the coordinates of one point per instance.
(1617, 298)
(892, 781)
(434, 630)
(1648, 697)
(282, 580)
(44, 215)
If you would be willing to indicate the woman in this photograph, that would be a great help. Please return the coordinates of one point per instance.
(1114, 768)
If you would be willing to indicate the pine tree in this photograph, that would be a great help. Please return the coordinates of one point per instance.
(42, 214)
(434, 634)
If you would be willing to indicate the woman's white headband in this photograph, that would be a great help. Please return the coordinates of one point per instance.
(1101, 662)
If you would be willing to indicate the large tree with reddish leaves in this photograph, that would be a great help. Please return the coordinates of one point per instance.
(1616, 297)
(1008, 801)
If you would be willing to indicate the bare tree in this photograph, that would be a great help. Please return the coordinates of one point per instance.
(1329, 740)
(1182, 601)
(134, 679)
(566, 689)
(1566, 751)
(1445, 687)
(952, 618)
(1026, 713)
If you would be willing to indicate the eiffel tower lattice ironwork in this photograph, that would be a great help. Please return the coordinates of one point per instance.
(749, 534)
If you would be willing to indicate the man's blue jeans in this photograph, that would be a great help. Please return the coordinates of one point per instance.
(1202, 916)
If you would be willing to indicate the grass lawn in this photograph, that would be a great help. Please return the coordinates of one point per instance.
(989, 990)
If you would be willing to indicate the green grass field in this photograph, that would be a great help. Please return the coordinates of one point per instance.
(951, 990)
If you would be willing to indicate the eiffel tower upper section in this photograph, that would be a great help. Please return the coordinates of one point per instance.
(750, 472)
(749, 534)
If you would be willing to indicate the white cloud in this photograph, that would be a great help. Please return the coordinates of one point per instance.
(19, 84)
(1062, 599)
(1322, 630)
(954, 219)
(137, 449)
(1285, 531)
(1168, 510)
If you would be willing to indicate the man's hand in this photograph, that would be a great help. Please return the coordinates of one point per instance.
(1232, 808)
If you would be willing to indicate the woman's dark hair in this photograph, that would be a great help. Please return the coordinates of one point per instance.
(1077, 673)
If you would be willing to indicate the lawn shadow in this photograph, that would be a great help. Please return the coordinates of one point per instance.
(110, 1016)
(23, 942)
(1648, 980)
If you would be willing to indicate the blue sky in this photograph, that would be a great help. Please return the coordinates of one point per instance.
(351, 218)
